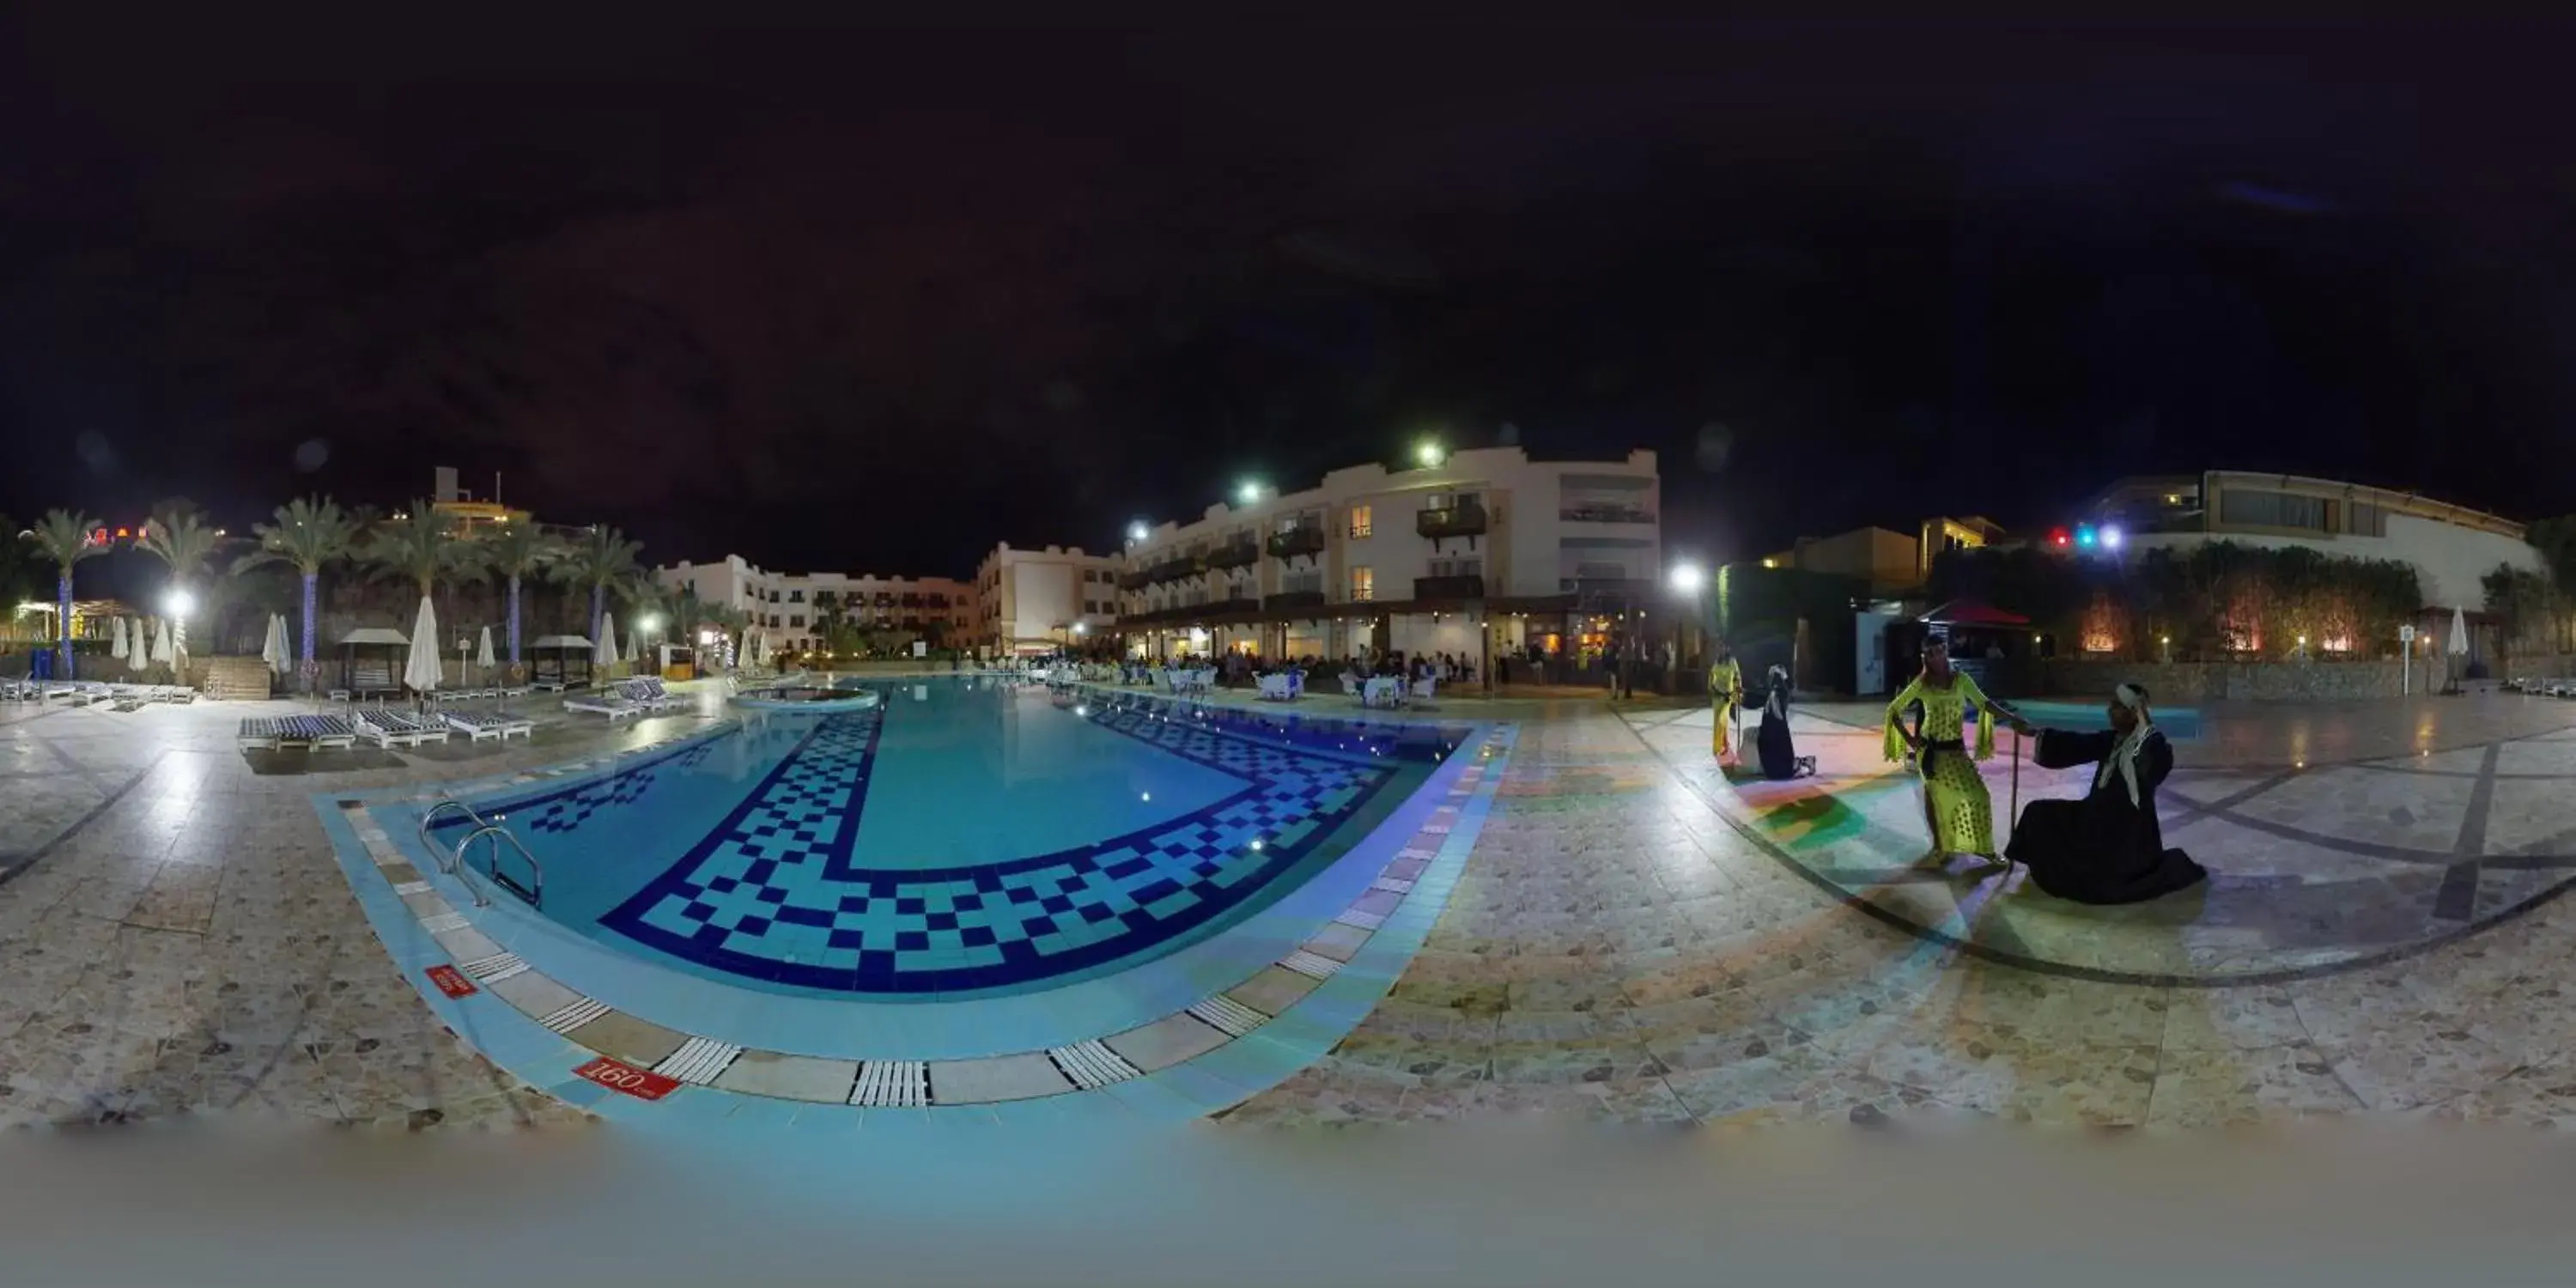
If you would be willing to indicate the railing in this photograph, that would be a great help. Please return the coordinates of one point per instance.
(1468, 586)
(1181, 569)
(1465, 519)
(1605, 513)
(451, 860)
(1137, 580)
(534, 892)
(1292, 599)
(1300, 540)
(1241, 553)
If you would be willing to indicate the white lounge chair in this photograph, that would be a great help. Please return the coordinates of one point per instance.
(257, 734)
(316, 732)
(481, 724)
(393, 728)
(1420, 694)
(609, 705)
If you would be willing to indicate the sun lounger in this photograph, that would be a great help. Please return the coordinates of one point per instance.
(393, 728)
(1420, 693)
(259, 734)
(609, 705)
(316, 732)
(481, 724)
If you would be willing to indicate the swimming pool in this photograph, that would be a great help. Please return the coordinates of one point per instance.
(961, 837)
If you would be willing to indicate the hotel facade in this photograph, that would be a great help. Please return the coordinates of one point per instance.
(1487, 549)
(792, 612)
(1038, 601)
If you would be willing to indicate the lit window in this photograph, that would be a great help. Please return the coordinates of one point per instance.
(1363, 580)
(1359, 529)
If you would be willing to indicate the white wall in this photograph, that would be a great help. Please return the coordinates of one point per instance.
(1456, 634)
(2449, 560)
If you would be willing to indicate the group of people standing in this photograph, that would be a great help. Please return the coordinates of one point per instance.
(2107, 848)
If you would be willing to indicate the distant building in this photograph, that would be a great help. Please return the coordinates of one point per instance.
(2451, 547)
(1888, 562)
(448, 498)
(1029, 601)
(793, 611)
(1475, 549)
(1945, 534)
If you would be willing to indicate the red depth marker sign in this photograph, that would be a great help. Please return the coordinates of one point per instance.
(452, 981)
(643, 1084)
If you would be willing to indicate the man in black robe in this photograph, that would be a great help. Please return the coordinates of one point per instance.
(2108, 847)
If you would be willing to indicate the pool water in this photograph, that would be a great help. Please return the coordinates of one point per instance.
(963, 836)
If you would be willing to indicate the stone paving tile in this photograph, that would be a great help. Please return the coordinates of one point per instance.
(1614, 951)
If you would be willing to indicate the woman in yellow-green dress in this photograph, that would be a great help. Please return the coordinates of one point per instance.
(1955, 803)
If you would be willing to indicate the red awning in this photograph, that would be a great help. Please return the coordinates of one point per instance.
(1971, 612)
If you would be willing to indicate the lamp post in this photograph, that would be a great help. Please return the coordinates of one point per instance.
(1689, 582)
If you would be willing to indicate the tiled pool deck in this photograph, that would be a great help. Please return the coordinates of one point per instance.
(1624, 935)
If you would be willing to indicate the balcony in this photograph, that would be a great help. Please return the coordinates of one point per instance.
(1607, 588)
(1242, 552)
(1136, 580)
(885, 600)
(1293, 600)
(1470, 586)
(1604, 512)
(1180, 569)
(1231, 605)
(1307, 541)
(1466, 519)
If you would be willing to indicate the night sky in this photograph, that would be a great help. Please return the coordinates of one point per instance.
(870, 300)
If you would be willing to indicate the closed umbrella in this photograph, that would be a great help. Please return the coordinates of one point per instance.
(603, 650)
(117, 650)
(161, 650)
(483, 655)
(2459, 633)
(139, 654)
(274, 651)
(421, 670)
(635, 646)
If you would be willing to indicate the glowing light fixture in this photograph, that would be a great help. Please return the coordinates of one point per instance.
(179, 603)
(1137, 531)
(1249, 492)
(2084, 535)
(2111, 538)
(1429, 454)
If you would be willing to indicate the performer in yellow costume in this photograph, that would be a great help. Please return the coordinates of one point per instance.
(1725, 694)
(1955, 802)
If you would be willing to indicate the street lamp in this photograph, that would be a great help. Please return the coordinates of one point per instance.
(178, 603)
(1688, 579)
(1429, 454)
(1137, 531)
(1249, 492)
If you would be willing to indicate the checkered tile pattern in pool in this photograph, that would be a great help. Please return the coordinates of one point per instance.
(771, 892)
(567, 809)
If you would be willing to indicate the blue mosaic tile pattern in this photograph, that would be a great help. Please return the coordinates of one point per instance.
(771, 891)
(567, 809)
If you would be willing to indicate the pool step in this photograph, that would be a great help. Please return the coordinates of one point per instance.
(892, 1084)
(1311, 965)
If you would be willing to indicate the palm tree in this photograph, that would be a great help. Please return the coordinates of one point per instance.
(309, 532)
(180, 538)
(731, 621)
(519, 551)
(424, 545)
(604, 558)
(63, 536)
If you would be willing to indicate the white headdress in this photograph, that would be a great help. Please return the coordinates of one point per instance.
(2123, 759)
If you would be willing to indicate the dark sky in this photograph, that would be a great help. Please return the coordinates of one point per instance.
(869, 299)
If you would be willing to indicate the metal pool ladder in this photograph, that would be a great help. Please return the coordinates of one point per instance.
(452, 860)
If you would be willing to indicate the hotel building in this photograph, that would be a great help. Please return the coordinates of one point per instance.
(792, 611)
(1035, 601)
(1484, 549)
